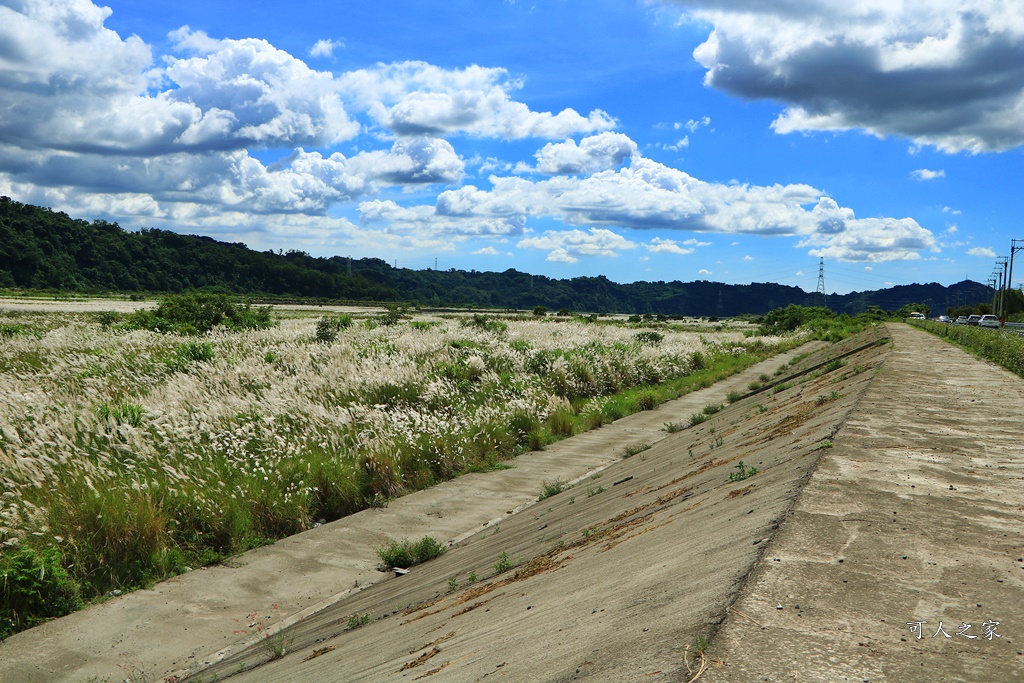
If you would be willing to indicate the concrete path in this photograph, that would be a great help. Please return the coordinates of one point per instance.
(903, 559)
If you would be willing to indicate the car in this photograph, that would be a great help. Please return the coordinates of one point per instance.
(989, 321)
(916, 316)
(944, 319)
(973, 319)
(962, 320)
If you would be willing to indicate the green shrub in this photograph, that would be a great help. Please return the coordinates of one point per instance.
(34, 587)
(328, 327)
(649, 337)
(198, 313)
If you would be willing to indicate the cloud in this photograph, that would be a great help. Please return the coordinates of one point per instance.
(664, 246)
(987, 252)
(648, 195)
(594, 153)
(944, 73)
(416, 98)
(486, 251)
(843, 237)
(705, 272)
(568, 246)
(325, 48)
(926, 174)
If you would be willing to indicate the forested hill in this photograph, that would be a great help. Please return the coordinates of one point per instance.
(44, 249)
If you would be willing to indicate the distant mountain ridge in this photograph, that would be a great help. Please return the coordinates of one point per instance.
(45, 249)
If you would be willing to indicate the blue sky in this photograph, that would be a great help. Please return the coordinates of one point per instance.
(736, 141)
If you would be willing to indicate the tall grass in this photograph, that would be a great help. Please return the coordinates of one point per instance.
(127, 456)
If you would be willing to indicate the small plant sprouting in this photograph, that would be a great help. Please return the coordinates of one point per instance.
(472, 578)
(762, 408)
(632, 449)
(781, 387)
(503, 564)
(835, 364)
(695, 657)
(742, 472)
(591, 491)
(551, 488)
(733, 396)
(716, 443)
(357, 620)
(673, 427)
(712, 408)
(824, 444)
(823, 399)
(697, 418)
(453, 584)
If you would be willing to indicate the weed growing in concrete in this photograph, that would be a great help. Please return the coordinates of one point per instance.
(733, 396)
(503, 564)
(712, 408)
(823, 399)
(835, 364)
(632, 449)
(357, 620)
(404, 553)
(742, 472)
(673, 427)
(551, 488)
(472, 578)
(697, 418)
(591, 492)
(824, 444)
(453, 584)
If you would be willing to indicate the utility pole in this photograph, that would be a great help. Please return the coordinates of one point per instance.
(1013, 251)
(820, 295)
(1001, 299)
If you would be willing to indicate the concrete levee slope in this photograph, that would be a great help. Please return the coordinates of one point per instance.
(620, 578)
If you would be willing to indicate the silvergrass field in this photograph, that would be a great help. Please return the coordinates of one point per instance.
(127, 456)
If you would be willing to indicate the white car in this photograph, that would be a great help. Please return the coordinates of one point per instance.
(989, 321)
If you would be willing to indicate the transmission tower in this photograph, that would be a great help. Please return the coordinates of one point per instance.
(819, 299)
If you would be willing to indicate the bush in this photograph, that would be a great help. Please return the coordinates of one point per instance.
(197, 313)
(328, 327)
(649, 337)
(35, 587)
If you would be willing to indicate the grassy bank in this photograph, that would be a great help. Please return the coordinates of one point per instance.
(1001, 347)
(129, 455)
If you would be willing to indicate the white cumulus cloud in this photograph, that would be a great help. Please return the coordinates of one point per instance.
(594, 153)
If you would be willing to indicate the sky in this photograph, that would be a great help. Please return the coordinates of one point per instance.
(734, 141)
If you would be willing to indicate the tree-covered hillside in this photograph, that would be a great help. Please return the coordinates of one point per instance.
(48, 250)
